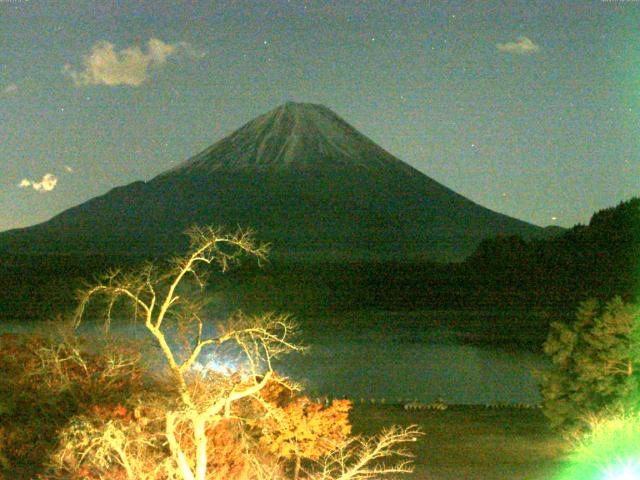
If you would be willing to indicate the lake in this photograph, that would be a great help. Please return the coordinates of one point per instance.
(398, 357)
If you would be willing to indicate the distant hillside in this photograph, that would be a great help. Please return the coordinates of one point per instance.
(304, 179)
(600, 259)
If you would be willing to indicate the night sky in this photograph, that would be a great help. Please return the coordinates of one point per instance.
(529, 108)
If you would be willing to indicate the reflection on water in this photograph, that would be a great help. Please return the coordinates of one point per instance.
(412, 363)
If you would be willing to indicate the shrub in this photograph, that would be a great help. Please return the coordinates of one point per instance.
(595, 363)
(46, 382)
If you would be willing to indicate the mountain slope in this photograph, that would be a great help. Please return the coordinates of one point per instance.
(304, 179)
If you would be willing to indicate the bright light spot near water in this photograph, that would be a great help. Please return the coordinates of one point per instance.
(630, 470)
(214, 365)
(221, 365)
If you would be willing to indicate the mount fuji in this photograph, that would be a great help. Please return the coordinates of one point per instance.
(304, 179)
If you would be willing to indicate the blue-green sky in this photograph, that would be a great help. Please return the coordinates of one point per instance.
(530, 108)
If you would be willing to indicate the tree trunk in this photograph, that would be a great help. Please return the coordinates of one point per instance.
(200, 438)
(176, 451)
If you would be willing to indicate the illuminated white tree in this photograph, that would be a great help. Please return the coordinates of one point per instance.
(162, 302)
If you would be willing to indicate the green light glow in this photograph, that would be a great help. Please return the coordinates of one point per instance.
(629, 470)
(610, 451)
(626, 472)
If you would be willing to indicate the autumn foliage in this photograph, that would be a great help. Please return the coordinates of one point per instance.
(47, 382)
(111, 410)
(299, 429)
(53, 405)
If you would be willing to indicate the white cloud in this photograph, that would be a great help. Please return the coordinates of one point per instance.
(521, 46)
(69, 169)
(130, 66)
(48, 183)
(9, 89)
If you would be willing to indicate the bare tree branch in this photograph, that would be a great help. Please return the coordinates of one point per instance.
(160, 298)
(362, 459)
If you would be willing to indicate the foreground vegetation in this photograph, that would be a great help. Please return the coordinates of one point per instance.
(592, 392)
(70, 411)
(596, 365)
(41, 410)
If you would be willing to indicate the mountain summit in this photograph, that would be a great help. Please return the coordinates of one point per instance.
(301, 136)
(304, 179)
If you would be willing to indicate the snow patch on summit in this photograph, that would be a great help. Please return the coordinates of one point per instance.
(294, 136)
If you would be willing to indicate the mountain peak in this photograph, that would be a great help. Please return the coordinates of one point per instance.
(310, 183)
(294, 135)
(303, 108)
(291, 105)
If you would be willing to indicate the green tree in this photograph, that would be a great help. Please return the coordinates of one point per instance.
(595, 361)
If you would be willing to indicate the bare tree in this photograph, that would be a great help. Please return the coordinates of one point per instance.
(161, 300)
(364, 459)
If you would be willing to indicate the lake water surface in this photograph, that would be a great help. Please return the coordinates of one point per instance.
(396, 361)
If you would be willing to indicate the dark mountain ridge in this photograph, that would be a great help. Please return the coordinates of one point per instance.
(306, 180)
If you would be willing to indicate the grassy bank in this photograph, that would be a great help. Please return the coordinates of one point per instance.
(472, 442)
